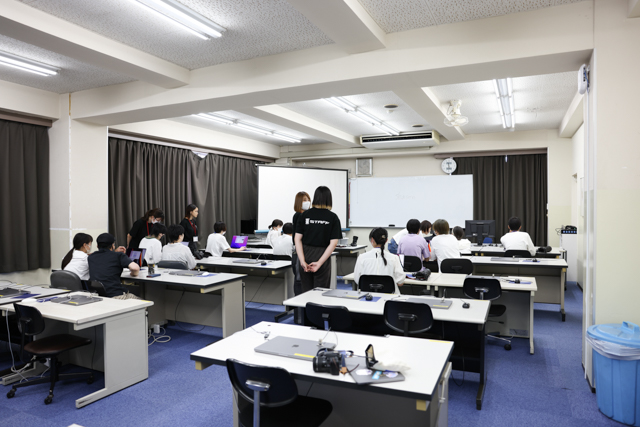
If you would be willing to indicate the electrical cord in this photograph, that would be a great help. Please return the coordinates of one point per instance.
(175, 316)
(162, 338)
(256, 292)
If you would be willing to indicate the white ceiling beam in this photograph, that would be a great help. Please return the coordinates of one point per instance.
(573, 118)
(345, 22)
(634, 9)
(30, 25)
(428, 106)
(28, 100)
(543, 41)
(284, 117)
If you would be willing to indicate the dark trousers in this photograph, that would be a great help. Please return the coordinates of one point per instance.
(295, 265)
(319, 279)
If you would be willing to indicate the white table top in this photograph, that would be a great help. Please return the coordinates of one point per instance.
(520, 262)
(85, 313)
(229, 261)
(204, 281)
(477, 312)
(431, 281)
(42, 292)
(427, 358)
(264, 251)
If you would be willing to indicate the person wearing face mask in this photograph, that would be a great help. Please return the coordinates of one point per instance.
(152, 244)
(142, 227)
(76, 259)
(190, 228)
(301, 204)
(376, 262)
(274, 231)
(216, 243)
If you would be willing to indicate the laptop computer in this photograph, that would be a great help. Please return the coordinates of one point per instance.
(340, 293)
(358, 370)
(187, 273)
(10, 292)
(239, 242)
(248, 261)
(295, 348)
(432, 302)
(136, 255)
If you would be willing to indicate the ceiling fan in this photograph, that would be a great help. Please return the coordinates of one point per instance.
(454, 118)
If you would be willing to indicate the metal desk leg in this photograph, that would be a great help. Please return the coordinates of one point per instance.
(481, 387)
(531, 324)
(562, 284)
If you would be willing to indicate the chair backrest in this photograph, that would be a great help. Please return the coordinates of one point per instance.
(517, 253)
(282, 388)
(408, 317)
(487, 241)
(177, 265)
(374, 283)
(281, 257)
(411, 264)
(63, 279)
(484, 288)
(456, 265)
(30, 320)
(336, 318)
(97, 286)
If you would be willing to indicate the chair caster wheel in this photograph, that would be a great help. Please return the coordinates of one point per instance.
(507, 347)
(90, 380)
(11, 393)
(48, 399)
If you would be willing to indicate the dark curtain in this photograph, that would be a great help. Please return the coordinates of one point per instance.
(141, 177)
(144, 176)
(506, 186)
(24, 197)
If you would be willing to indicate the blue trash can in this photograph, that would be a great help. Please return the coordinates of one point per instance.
(616, 364)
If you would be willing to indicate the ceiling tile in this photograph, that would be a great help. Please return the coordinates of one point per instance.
(394, 16)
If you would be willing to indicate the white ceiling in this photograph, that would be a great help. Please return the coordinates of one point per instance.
(74, 75)
(540, 102)
(254, 28)
(402, 15)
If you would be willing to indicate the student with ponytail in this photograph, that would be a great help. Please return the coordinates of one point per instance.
(378, 262)
(76, 259)
(274, 231)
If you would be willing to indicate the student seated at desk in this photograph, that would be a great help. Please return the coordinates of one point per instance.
(413, 244)
(175, 250)
(516, 239)
(76, 259)
(283, 245)
(425, 228)
(216, 243)
(463, 244)
(425, 231)
(444, 245)
(274, 231)
(152, 244)
(375, 262)
(107, 264)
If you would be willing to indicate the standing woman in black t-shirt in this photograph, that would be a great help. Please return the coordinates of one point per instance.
(142, 227)
(317, 234)
(302, 203)
(190, 227)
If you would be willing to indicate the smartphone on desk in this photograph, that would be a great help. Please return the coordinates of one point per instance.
(154, 275)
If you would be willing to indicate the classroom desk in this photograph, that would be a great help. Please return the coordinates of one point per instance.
(517, 297)
(40, 291)
(348, 256)
(549, 273)
(216, 300)
(419, 400)
(452, 324)
(498, 251)
(119, 325)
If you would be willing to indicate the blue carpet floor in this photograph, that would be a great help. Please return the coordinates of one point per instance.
(545, 389)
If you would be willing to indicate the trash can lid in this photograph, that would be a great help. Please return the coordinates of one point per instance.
(626, 333)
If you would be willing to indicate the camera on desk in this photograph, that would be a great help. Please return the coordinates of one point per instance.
(328, 361)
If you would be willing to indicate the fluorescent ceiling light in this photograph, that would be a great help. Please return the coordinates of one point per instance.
(25, 64)
(504, 96)
(219, 118)
(186, 18)
(350, 108)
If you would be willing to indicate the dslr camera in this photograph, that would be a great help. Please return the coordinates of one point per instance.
(328, 361)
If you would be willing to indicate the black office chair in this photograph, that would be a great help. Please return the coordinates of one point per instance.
(518, 253)
(280, 257)
(336, 318)
(96, 286)
(374, 283)
(268, 396)
(408, 317)
(488, 289)
(412, 264)
(63, 279)
(30, 323)
(176, 265)
(456, 265)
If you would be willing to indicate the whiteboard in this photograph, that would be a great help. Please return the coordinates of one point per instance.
(278, 186)
(381, 202)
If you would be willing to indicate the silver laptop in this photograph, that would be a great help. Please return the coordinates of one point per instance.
(295, 348)
(248, 261)
(340, 293)
(432, 302)
(187, 273)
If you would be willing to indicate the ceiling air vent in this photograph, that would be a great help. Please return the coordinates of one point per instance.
(403, 140)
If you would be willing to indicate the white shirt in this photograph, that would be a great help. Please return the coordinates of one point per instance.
(272, 236)
(371, 263)
(154, 250)
(179, 252)
(283, 245)
(400, 234)
(444, 246)
(464, 245)
(79, 265)
(216, 244)
(518, 240)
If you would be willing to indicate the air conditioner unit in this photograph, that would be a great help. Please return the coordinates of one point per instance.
(403, 140)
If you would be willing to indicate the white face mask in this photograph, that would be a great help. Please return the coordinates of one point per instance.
(223, 233)
(306, 206)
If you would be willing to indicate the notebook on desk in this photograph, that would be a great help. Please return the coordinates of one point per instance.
(295, 348)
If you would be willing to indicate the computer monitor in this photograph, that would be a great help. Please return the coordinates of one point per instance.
(239, 242)
(477, 230)
(247, 226)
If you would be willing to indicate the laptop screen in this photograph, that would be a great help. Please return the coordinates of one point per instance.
(137, 255)
(239, 241)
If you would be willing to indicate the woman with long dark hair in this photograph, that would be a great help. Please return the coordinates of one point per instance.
(142, 227)
(190, 227)
(76, 259)
(301, 204)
